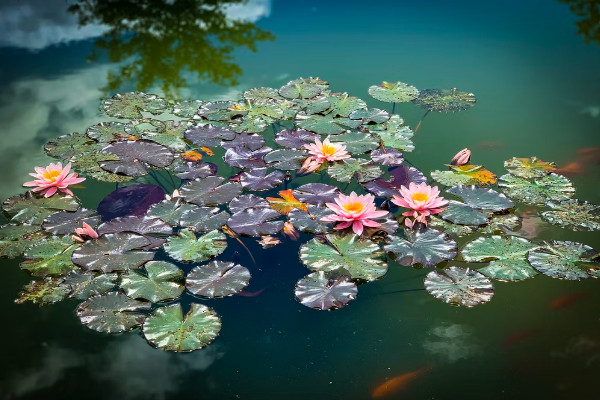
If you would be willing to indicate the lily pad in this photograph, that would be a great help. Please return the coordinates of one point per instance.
(295, 138)
(217, 279)
(551, 187)
(210, 191)
(47, 291)
(255, 221)
(316, 193)
(445, 100)
(130, 105)
(65, 222)
(130, 200)
(346, 170)
(394, 92)
(428, 248)
(371, 116)
(357, 142)
(303, 88)
(459, 286)
(325, 124)
(187, 108)
(106, 132)
(51, 256)
(162, 282)
(362, 258)
(242, 157)
(463, 214)
(257, 179)
(250, 124)
(507, 256)
(400, 176)
(89, 163)
(252, 142)
(529, 167)
(391, 157)
(208, 135)
(220, 111)
(310, 222)
(85, 284)
(325, 290)
(453, 230)
(285, 159)
(167, 329)
(112, 313)
(194, 170)
(153, 229)
(343, 105)
(16, 239)
(245, 201)
(481, 198)
(113, 252)
(262, 93)
(31, 209)
(133, 155)
(204, 219)
(565, 260)
(66, 146)
(500, 224)
(187, 248)
(574, 214)
(394, 134)
(170, 134)
(170, 211)
(464, 175)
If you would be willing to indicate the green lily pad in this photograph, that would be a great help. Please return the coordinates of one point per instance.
(459, 286)
(130, 105)
(89, 164)
(565, 260)
(463, 214)
(325, 290)
(47, 291)
(67, 146)
(85, 284)
(500, 224)
(106, 132)
(444, 100)
(112, 313)
(325, 124)
(187, 248)
(363, 170)
(220, 111)
(262, 93)
(551, 187)
(187, 108)
(453, 230)
(362, 258)
(310, 222)
(51, 256)
(204, 219)
(394, 92)
(169, 211)
(481, 198)
(371, 116)
(250, 124)
(217, 279)
(574, 214)
(31, 209)
(162, 282)
(170, 134)
(357, 142)
(428, 248)
(16, 239)
(303, 88)
(113, 252)
(507, 256)
(394, 134)
(210, 191)
(528, 167)
(343, 105)
(167, 329)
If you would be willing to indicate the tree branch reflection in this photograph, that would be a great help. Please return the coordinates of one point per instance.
(589, 13)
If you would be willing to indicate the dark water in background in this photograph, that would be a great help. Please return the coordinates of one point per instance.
(537, 84)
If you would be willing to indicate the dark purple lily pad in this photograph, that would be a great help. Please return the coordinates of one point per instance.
(325, 290)
(295, 138)
(257, 179)
(204, 219)
(134, 154)
(65, 222)
(250, 141)
(244, 201)
(243, 157)
(389, 156)
(208, 135)
(209, 191)
(217, 279)
(142, 225)
(255, 221)
(191, 170)
(316, 193)
(401, 176)
(130, 200)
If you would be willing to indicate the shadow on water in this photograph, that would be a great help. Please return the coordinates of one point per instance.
(166, 42)
(588, 12)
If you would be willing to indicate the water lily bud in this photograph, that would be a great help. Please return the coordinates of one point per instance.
(462, 157)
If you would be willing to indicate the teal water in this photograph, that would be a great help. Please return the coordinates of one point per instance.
(537, 84)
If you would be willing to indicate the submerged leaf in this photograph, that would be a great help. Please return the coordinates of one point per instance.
(112, 313)
(428, 248)
(551, 187)
(130, 200)
(187, 248)
(529, 167)
(162, 282)
(130, 105)
(444, 100)
(565, 260)
(47, 291)
(325, 290)
(459, 286)
(574, 214)
(217, 279)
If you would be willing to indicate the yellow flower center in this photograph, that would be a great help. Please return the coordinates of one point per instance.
(420, 197)
(328, 150)
(353, 207)
(52, 175)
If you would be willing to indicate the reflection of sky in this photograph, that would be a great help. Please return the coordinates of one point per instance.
(451, 342)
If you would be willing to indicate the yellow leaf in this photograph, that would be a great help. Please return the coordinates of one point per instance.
(477, 172)
(286, 203)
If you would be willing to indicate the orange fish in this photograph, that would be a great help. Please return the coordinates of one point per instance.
(393, 385)
(519, 336)
(590, 154)
(567, 300)
(191, 155)
(572, 168)
(208, 151)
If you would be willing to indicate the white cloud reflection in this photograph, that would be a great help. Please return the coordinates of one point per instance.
(451, 343)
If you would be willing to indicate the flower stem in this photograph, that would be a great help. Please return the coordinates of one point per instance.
(421, 121)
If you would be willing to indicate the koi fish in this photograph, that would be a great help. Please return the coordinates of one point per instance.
(245, 293)
(572, 168)
(567, 300)
(393, 385)
(519, 336)
(590, 154)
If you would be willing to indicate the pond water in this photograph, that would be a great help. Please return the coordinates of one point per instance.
(537, 84)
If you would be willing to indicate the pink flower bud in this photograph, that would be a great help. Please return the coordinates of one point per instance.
(462, 157)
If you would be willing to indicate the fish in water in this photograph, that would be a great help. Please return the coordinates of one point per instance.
(585, 157)
(394, 385)
(589, 154)
(245, 293)
(567, 300)
(572, 168)
(519, 336)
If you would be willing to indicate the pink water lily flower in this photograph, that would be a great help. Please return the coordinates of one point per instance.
(423, 200)
(53, 178)
(87, 232)
(355, 211)
(321, 152)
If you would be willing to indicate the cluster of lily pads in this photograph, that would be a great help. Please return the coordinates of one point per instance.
(163, 230)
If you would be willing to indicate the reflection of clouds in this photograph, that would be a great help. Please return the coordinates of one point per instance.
(581, 348)
(36, 24)
(450, 343)
(593, 111)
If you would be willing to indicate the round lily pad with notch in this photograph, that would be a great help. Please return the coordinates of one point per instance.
(325, 124)
(310, 222)
(445, 100)
(370, 116)
(242, 157)
(393, 92)
(362, 258)
(255, 221)
(346, 170)
(187, 247)
(187, 108)
(17, 239)
(65, 222)
(507, 256)
(261, 93)
(217, 279)
(324, 290)
(257, 179)
(66, 146)
(194, 170)
(551, 187)
(356, 142)
(43, 292)
(303, 88)
(459, 286)
(51, 256)
(162, 281)
(400, 176)
(528, 167)
(285, 159)
(250, 124)
(170, 134)
(394, 134)
(573, 214)
(208, 135)
(250, 141)
(112, 313)
(481, 198)
(168, 329)
(210, 191)
(565, 260)
(153, 229)
(88, 163)
(295, 138)
(464, 175)
(389, 157)
(85, 284)
(204, 219)
(170, 211)
(463, 214)
(343, 105)
(220, 111)
(134, 154)
(245, 201)
(113, 252)
(32, 209)
(130, 105)
(316, 193)
(427, 248)
(111, 131)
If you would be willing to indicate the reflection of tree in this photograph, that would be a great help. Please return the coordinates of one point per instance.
(157, 40)
(589, 12)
